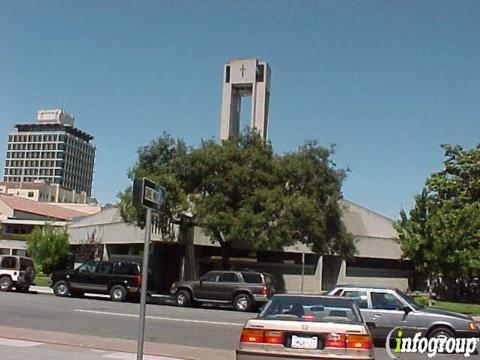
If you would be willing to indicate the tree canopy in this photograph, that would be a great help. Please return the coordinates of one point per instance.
(441, 234)
(49, 247)
(244, 195)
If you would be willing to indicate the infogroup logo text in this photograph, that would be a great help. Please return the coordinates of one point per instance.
(431, 346)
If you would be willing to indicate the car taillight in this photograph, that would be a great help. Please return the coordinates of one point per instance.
(273, 337)
(336, 340)
(252, 336)
(264, 291)
(359, 342)
(137, 280)
(257, 336)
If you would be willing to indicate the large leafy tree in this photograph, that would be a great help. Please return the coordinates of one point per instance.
(49, 247)
(441, 234)
(244, 195)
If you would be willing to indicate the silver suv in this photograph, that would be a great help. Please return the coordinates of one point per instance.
(16, 272)
(391, 308)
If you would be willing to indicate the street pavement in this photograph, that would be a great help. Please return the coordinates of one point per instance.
(96, 323)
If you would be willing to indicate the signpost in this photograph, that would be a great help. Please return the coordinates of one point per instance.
(151, 196)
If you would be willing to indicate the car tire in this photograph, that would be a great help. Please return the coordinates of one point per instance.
(441, 332)
(6, 283)
(183, 298)
(30, 274)
(61, 288)
(118, 293)
(242, 302)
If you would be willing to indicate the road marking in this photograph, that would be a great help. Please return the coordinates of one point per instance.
(18, 343)
(160, 318)
(131, 356)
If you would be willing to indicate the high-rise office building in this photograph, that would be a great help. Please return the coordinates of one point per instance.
(52, 149)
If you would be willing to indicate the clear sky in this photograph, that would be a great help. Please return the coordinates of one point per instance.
(387, 81)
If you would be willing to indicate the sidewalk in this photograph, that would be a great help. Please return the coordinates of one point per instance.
(20, 349)
(123, 348)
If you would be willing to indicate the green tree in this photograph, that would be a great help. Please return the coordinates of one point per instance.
(441, 234)
(49, 247)
(243, 195)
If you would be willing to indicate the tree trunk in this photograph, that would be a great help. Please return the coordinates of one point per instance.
(226, 253)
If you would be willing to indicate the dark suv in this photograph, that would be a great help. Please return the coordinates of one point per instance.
(118, 279)
(245, 290)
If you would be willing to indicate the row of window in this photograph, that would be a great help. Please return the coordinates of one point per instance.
(49, 172)
(35, 155)
(18, 179)
(44, 146)
(34, 163)
(37, 138)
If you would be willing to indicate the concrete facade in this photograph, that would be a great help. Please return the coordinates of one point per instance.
(41, 190)
(245, 78)
(52, 150)
(378, 261)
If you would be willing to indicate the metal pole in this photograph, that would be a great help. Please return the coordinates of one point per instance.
(143, 296)
(303, 269)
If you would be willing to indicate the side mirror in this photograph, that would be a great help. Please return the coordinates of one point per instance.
(406, 309)
(371, 325)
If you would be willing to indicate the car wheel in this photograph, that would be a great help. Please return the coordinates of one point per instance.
(183, 298)
(6, 283)
(441, 333)
(242, 302)
(118, 293)
(61, 288)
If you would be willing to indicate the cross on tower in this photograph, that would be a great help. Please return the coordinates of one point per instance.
(243, 69)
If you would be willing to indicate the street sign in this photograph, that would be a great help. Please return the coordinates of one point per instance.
(148, 194)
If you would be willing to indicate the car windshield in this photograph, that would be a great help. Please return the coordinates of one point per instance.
(409, 300)
(311, 309)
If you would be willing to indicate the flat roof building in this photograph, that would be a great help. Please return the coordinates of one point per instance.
(52, 149)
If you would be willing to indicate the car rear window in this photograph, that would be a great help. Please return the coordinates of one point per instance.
(311, 309)
(126, 269)
(252, 278)
(9, 262)
(25, 263)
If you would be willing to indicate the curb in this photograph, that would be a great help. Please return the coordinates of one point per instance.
(159, 299)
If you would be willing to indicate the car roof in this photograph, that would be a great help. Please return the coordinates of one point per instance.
(312, 296)
(346, 286)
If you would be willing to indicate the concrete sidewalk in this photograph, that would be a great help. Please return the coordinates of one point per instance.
(113, 345)
(19, 350)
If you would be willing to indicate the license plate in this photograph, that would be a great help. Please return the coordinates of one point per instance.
(301, 342)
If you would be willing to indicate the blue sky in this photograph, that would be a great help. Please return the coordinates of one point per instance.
(387, 81)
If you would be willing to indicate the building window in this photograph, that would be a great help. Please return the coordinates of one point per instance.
(30, 194)
(260, 73)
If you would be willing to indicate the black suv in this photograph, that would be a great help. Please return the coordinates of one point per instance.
(245, 290)
(118, 279)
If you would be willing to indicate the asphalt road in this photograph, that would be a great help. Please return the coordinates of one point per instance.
(196, 327)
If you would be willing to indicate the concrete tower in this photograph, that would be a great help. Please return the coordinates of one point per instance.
(243, 78)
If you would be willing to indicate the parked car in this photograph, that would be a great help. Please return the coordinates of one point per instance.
(245, 290)
(306, 327)
(391, 308)
(16, 272)
(117, 279)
